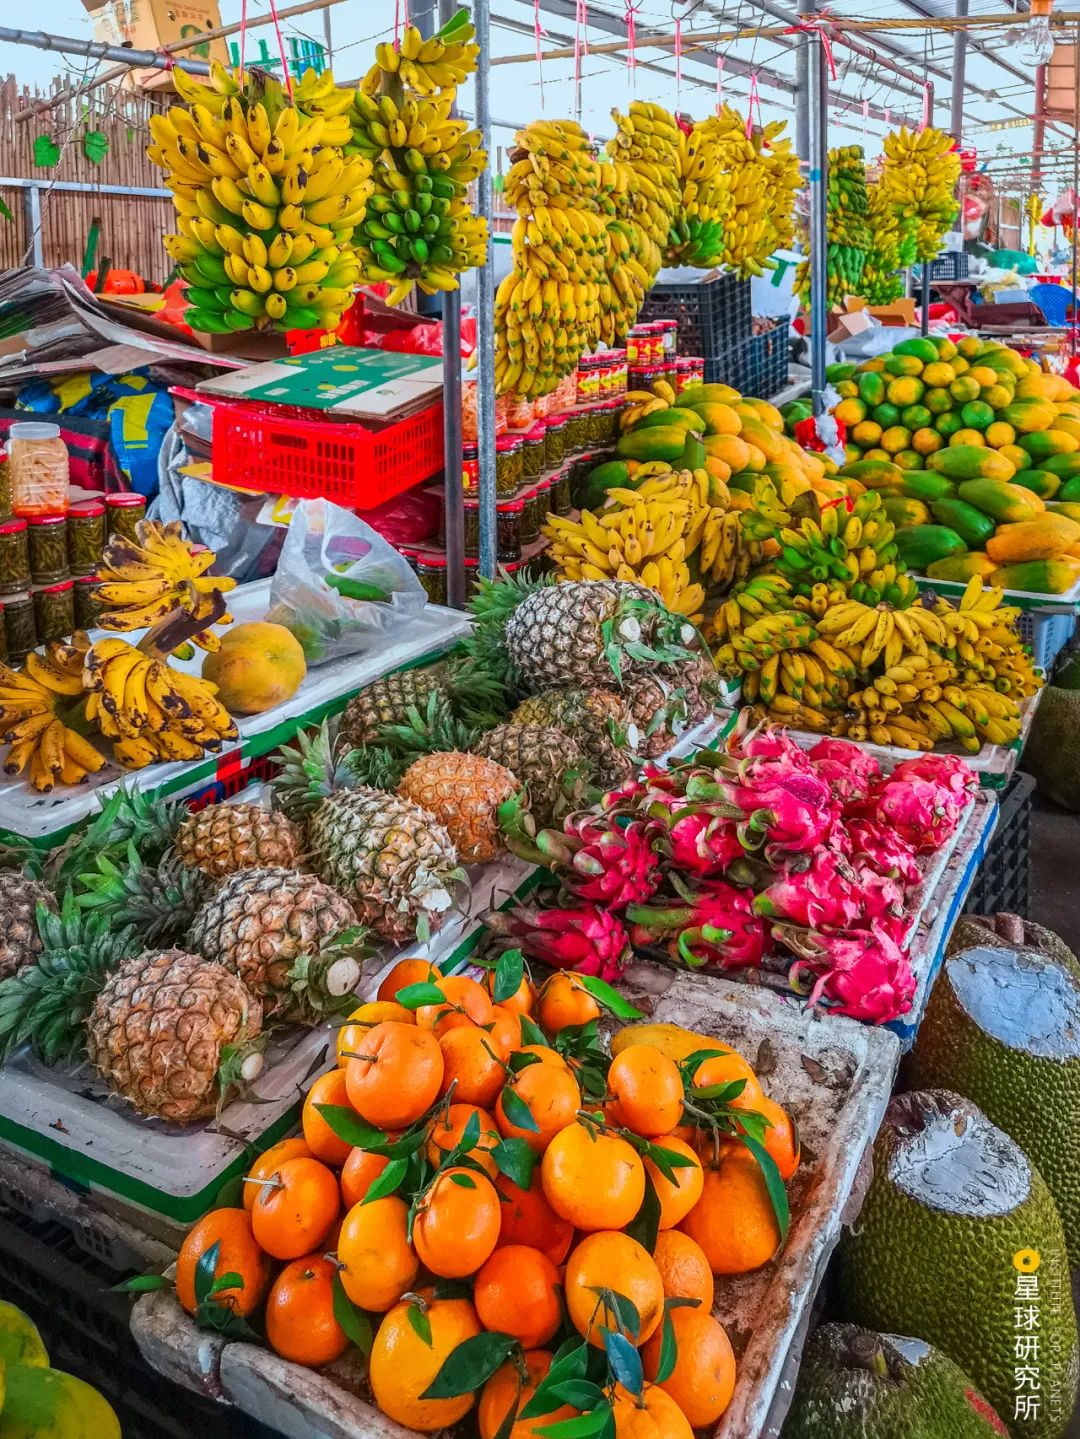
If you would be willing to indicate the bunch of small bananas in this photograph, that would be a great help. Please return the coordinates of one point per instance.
(891, 249)
(631, 258)
(142, 582)
(266, 204)
(983, 638)
(919, 181)
(40, 706)
(868, 631)
(639, 403)
(419, 229)
(848, 231)
(149, 711)
(647, 141)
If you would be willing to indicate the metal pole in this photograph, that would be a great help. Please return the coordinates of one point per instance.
(485, 302)
(32, 213)
(94, 50)
(959, 55)
(817, 90)
(1076, 179)
(452, 468)
(802, 91)
(924, 317)
(1038, 123)
(328, 39)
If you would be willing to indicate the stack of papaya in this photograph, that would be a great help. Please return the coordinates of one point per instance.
(976, 453)
(38, 1402)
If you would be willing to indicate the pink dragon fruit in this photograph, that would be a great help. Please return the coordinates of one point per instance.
(603, 858)
(695, 839)
(863, 973)
(790, 812)
(586, 939)
(921, 811)
(880, 897)
(712, 925)
(821, 891)
(849, 770)
(765, 741)
(882, 850)
(945, 769)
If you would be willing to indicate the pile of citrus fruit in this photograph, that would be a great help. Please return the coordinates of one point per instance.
(503, 1214)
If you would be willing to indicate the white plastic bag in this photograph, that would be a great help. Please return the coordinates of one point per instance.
(325, 547)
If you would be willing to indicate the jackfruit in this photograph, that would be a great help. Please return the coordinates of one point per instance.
(1052, 753)
(1003, 1028)
(855, 1384)
(955, 1220)
(1010, 929)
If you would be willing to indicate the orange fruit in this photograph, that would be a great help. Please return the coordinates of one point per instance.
(467, 1003)
(593, 1179)
(653, 1415)
(359, 1173)
(238, 1253)
(448, 1126)
(403, 1365)
(527, 1218)
(616, 1263)
(378, 1264)
(516, 1291)
(677, 1197)
(268, 1161)
(404, 973)
(550, 1093)
(729, 1068)
(781, 1137)
(474, 1064)
(684, 1270)
(362, 1019)
(398, 1076)
(648, 1090)
(703, 1379)
(457, 1223)
(522, 999)
(509, 1386)
(505, 1026)
(300, 1323)
(293, 1213)
(733, 1221)
(563, 1000)
(324, 1144)
(546, 1055)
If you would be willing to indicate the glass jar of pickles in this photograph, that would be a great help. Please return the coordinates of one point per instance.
(85, 536)
(530, 523)
(431, 572)
(39, 469)
(608, 424)
(668, 331)
(14, 558)
(577, 432)
(88, 606)
(533, 451)
(508, 464)
(54, 611)
(543, 500)
(123, 512)
(20, 627)
(554, 441)
(5, 483)
(46, 537)
(560, 492)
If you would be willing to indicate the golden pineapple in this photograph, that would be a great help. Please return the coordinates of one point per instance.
(541, 757)
(463, 792)
(598, 720)
(224, 838)
(20, 943)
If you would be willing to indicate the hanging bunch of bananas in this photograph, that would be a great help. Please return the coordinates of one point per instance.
(631, 258)
(647, 142)
(142, 581)
(746, 181)
(919, 180)
(40, 707)
(419, 229)
(848, 230)
(265, 200)
(150, 711)
(891, 248)
(697, 232)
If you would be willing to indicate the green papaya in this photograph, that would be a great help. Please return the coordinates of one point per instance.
(1044, 444)
(745, 481)
(49, 1404)
(839, 371)
(1041, 577)
(874, 474)
(962, 567)
(20, 1342)
(973, 527)
(673, 415)
(922, 546)
(919, 349)
(1070, 490)
(922, 485)
(871, 388)
(904, 512)
(1069, 508)
(1040, 482)
(695, 395)
(1008, 504)
(665, 442)
(694, 454)
(971, 462)
(590, 491)
(1064, 466)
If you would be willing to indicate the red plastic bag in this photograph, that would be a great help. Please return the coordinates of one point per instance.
(423, 338)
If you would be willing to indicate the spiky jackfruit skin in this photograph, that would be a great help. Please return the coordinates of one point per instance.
(1052, 753)
(1003, 1028)
(855, 1384)
(952, 1212)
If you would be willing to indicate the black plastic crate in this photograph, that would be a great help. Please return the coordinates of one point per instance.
(774, 361)
(740, 366)
(713, 316)
(68, 1295)
(953, 266)
(1003, 880)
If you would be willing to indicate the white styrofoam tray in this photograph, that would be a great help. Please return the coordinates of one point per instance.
(1066, 603)
(35, 816)
(834, 1075)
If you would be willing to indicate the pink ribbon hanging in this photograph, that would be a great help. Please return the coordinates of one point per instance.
(814, 27)
(752, 99)
(888, 116)
(281, 49)
(678, 63)
(865, 117)
(539, 32)
(631, 35)
(397, 24)
(925, 121)
(581, 39)
(719, 83)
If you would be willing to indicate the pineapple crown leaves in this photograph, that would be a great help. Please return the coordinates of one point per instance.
(621, 635)
(19, 854)
(487, 660)
(239, 1065)
(127, 817)
(159, 902)
(312, 769)
(324, 983)
(432, 730)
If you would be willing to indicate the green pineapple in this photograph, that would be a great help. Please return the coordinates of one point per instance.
(158, 901)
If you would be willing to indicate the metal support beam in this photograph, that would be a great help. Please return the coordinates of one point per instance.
(485, 303)
(817, 122)
(32, 214)
(452, 468)
(924, 314)
(959, 55)
(1038, 122)
(95, 50)
(802, 88)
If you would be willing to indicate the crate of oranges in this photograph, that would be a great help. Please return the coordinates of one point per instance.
(517, 1204)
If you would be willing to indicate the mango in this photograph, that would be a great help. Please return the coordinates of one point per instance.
(258, 667)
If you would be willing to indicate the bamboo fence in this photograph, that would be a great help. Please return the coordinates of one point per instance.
(131, 226)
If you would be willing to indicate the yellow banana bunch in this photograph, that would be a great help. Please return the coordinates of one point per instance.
(39, 705)
(265, 210)
(149, 711)
(919, 181)
(143, 581)
(428, 65)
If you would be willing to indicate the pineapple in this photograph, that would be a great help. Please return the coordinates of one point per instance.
(388, 701)
(667, 700)
(224, 838)
(20, 943)
(158, 901)
(463, 792)
(289, 937)
(393, 860)
(598, 721)
(541, 757)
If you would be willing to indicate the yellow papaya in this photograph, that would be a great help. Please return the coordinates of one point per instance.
(1040, 539)
(1027, 416)
(971, 462)
(962, 567)
(1069, 508)
(1040, 577)
(49, 1404)
(20, 1342)
(719, 419)
(711, 394)
(1008, 504)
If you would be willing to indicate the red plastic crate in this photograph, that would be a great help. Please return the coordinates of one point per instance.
(273, 450)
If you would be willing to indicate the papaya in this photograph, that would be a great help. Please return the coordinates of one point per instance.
(970, 462)
(922, 349)
(664, 442)
(590, 491)
(1040, 577)
(258, 666)
(839, 371)
(718, 419)
(1069, 508)
(1068, 425)
(670, 1039)
(904, 512)
(962, 567)
(1039, 482)
(771, 445)
(922, 485)
(922, 546)
(1070, 490)
(1008, 504)
(765, 414)
(1064, 466)
(874, 474)
(1027, 416)
(1043, 444)
(745, 481)
(20, 1342)
(1043, 538)
(973, 527)
(729, 448)
(694, 453)
(673, 415)
(902, 367)
(695, 395)
(871, 388)
(49, 1404)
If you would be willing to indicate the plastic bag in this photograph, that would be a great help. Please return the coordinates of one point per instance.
(339, 587)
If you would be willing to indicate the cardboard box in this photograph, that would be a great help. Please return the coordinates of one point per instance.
(900, 312)
(150, 24)
(344, 382)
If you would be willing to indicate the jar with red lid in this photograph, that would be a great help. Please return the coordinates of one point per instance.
(431, 571)
(691, 371)
(123, 513)
(54, 611)
(588, 378)
(554, 441)
(46, 539)
(14, 558)
(643, 377)
(39, 469)
(508, 464)
(533, 453)
(635, 340)
(607, 425)
(670, 366)
(85, 536)
(470, 469)
(615, 369)
(668, 330)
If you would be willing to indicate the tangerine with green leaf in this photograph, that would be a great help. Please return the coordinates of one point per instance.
(516, 1291)
(332, 1089)
(446, 1131)
(514, 1384)
(703, 1379)
(378, 1264)
(359, 1173)
(604, 1270)
(650, 1415)
(678, 1194)
(300, 1321)
(593, 1178)
(474, 1065)
(466, 1003)
(414, 1340)
(538, 1102)
(238, 1253)
(734, 1220)
(456, 1222)
(563, 1001)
